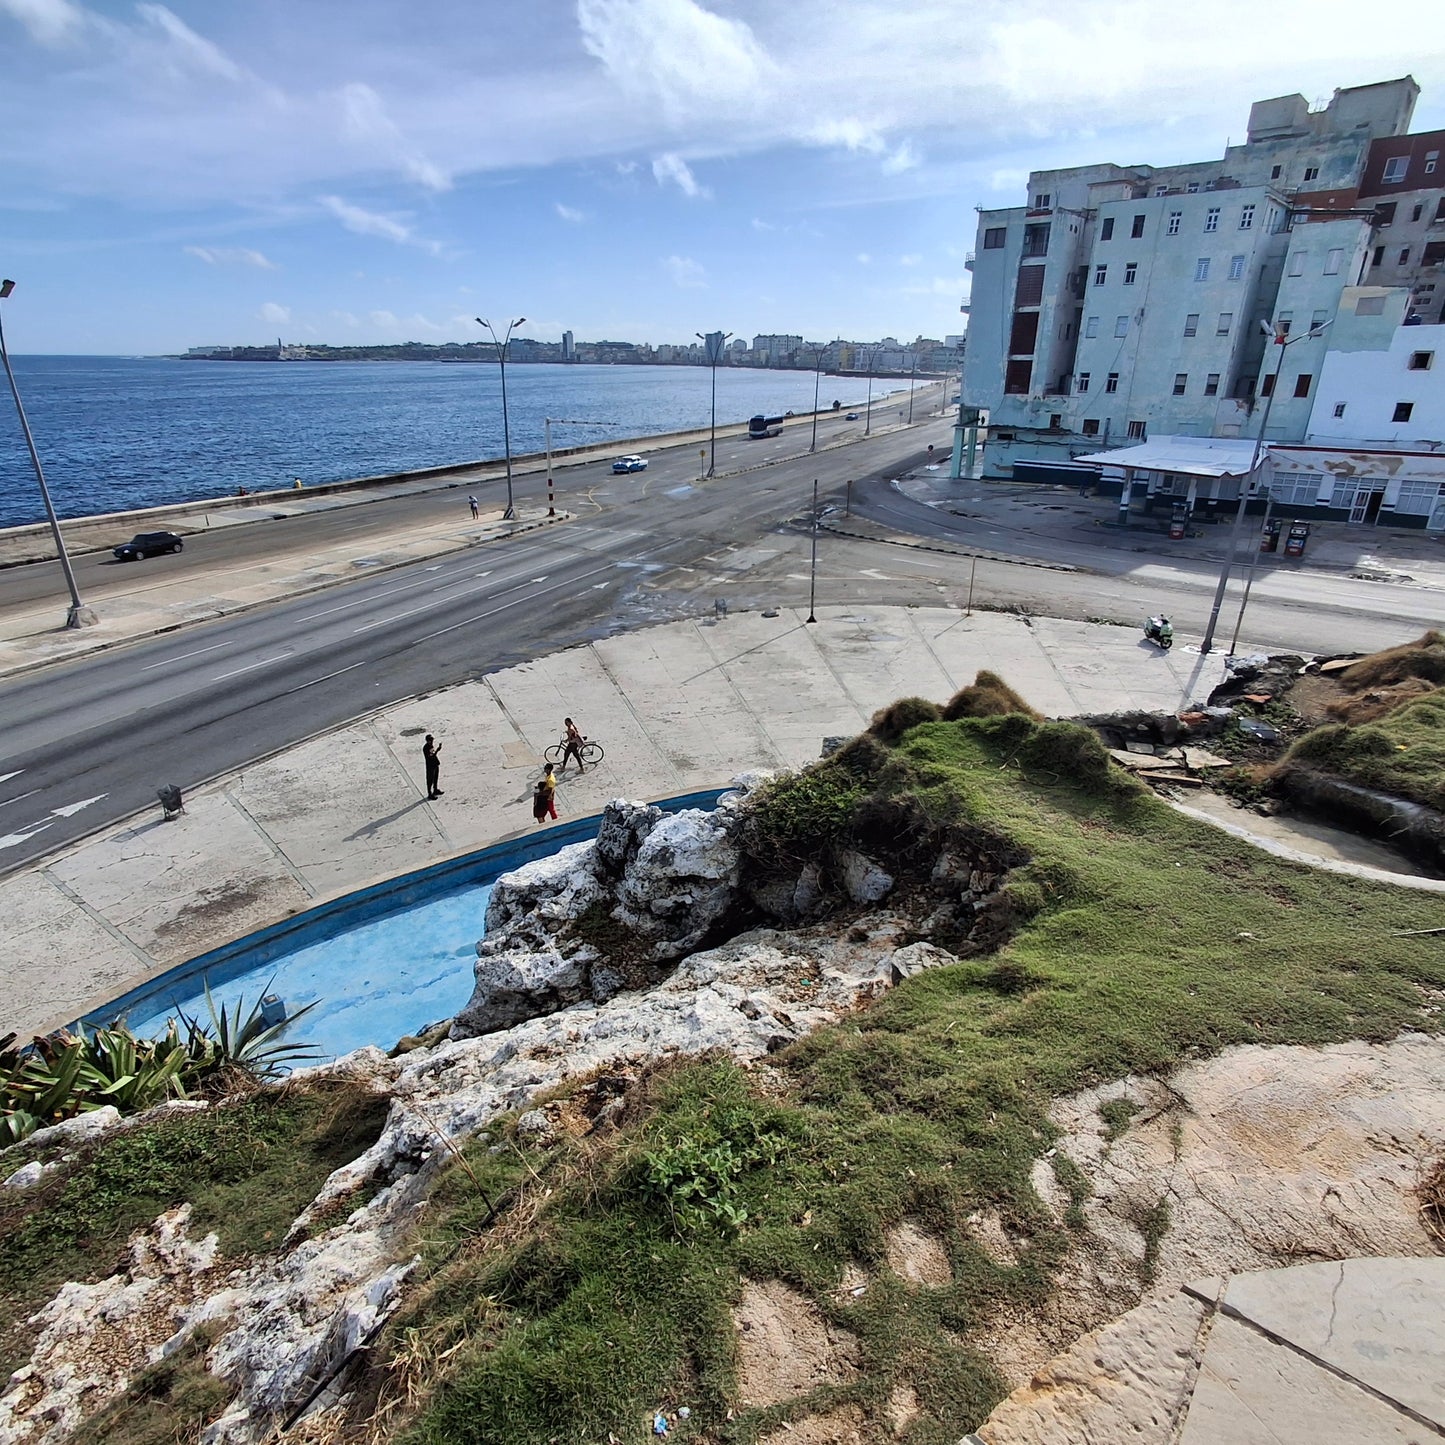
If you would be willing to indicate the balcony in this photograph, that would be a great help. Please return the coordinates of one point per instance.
(968, 258)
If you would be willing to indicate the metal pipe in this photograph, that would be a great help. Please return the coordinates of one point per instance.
(79, 615)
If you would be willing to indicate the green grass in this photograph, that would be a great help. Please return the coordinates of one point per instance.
(1402, 753)
(248, 1168)
(1142, 939)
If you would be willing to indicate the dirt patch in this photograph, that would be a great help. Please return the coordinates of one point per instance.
(917, 1256)
(902, 1408)
(215, 906)
(987, 1230)
(838, 1427)
(786, 1348)
(1312, 695)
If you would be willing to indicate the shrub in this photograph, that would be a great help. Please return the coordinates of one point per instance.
(1423, 658)
(988, 695)
(891, 722)
(1070, 752)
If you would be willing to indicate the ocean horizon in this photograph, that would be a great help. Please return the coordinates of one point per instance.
(117, 433)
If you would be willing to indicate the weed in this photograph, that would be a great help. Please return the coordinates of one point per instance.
(1153, 1226)
(1116, 1114)
(1072, 1181)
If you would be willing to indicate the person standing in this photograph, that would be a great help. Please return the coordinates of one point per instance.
(573, 740)
(431, 752)
(544, 798)
(476, 510)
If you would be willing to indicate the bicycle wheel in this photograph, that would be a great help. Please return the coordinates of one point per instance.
(554, 753)
(591, 753)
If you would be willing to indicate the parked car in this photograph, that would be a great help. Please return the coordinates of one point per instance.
(630, 464)
(852, 416)
(147, 544)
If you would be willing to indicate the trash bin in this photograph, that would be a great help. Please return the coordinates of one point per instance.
(1269, 538)
(170, 799)
(1294, 542)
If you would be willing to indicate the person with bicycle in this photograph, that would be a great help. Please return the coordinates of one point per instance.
(572, 741)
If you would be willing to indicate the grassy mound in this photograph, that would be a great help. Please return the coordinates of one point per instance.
(988, 695)
(1141, 938)
(1423, 659)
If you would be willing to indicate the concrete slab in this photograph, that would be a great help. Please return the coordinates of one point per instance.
(1375, 1320)
(1251, 1392)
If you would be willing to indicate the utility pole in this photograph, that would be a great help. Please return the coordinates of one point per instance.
(813, 568)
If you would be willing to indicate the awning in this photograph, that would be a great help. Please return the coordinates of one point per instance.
(1187, 456)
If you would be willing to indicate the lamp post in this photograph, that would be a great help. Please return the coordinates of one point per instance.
(1282, 341)
(813, 565)
(501, 346)
(868, 418)
(712, 346)
(79, 614)
(817, 377)
(912, 372)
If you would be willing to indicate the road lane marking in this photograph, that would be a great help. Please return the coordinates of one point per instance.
(327, 678)
(19, 797)
(431, 602)
(252, 666)
(166, 662)
(70, 809)
(13, 840)
(5, 777)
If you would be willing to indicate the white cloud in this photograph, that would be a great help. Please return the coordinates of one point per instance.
(569, 213)
(1008, 180)
(672, 168)
(863, 258)
(192, 51)
(365, 120)
(910, 260)
(230, 256)
(374, 223)
(274, 315)
(346, 318)
(904, 158)
(685, 272)
(761, 225)
(50, 22)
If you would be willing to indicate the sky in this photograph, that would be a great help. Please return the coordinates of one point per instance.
(361, 171)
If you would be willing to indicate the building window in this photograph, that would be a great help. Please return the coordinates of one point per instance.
(1137, 229)
(1267, 385)
(1246, 218)
(993, 238)
(1121, 326)
(1016, 377)
(1334, 260)
(1282, 323)
(1433, 254)
(1318, 319)
(1201, 269)
(1244, 387)
(1395, 169)
(1091, 426)
(1421, 360)
(1302, 383)
(1091, 326)
(1236, 268)
(1403, 410)
(1211, 384)
(1111, 382)
(1211, 219)
(1175, 217)
(1431, 157)
(1417, 210)
(1385, 213)
(1339, 408)
(1082, 384)
(1106, 231)
(1192, 188)
(1191, 324)
(1404, 256)
(1136, 431)
(1378, 257)
(1131, 272)
(1312, 173)
(1181, 381)
(1226, 320)
(1101, 274)
(1036, 239)
(1370, 306)
(1297, 264)
(1161, 190)
(1056, 421)
(1041, 201)
(1276, 172)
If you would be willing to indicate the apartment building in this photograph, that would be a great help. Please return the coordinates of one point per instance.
(1122, 300)
(1404, 183)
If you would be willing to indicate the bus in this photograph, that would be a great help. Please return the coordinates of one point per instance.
(761, 426)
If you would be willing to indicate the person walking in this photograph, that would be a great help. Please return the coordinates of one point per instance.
(476, 510)
(544, 797)
(573, 739)
(431, 752)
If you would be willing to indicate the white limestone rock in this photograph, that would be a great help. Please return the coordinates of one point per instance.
(512, 986)
(682, 883)
(863, 880)
(546, 892)
(621, 833)
(77, 1130)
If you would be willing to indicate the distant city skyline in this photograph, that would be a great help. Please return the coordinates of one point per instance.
(648, 169)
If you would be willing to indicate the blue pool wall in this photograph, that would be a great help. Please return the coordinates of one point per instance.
(256, 951)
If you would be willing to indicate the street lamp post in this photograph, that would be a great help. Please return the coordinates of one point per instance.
(501, 346)
(1282, 341)
(714, 352)
(813, 565)
(912, 372)
(817, 377)
(79, 614)
(868, 420)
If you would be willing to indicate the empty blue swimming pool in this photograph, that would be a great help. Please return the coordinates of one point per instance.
(379, 963)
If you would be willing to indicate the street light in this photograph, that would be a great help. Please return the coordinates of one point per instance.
(868, 422)
(1282, 340)
(817, 377)
(79, 614)
(501, 346)
(714, 352)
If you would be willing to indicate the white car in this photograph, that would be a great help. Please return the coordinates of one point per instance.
(630, 464)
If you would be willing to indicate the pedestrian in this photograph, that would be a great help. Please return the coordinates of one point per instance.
(476, 510)
(544, 796)
(572, 740)
(431, 752)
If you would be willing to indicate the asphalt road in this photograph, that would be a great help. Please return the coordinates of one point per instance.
(89, 742)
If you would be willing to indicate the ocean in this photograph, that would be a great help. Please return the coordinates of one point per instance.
(116, 433)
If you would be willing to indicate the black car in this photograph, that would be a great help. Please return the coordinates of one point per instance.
(148, 544)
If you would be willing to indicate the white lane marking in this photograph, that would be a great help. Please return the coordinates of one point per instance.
(70, 809)
(431, 602)
(327, 678)
(5, 777)
(166, 662)
(252, 666)
(12, 840)
(19, 797)
(539, 579)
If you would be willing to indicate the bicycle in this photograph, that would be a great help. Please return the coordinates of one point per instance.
(591, 753)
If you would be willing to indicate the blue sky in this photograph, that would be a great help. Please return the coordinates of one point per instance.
(340, 171)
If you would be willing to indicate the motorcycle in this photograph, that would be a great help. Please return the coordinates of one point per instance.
(1158, 630)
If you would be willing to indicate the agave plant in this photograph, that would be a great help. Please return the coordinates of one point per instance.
(241, 1039)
